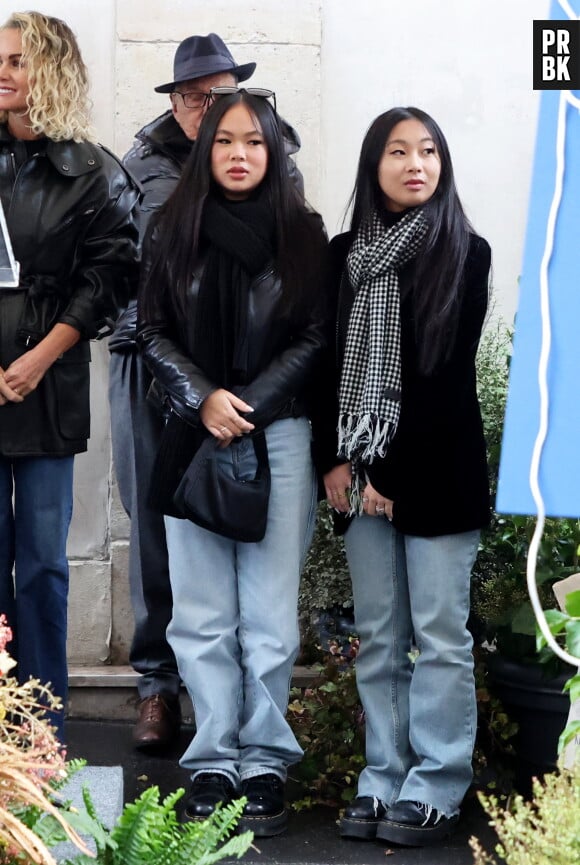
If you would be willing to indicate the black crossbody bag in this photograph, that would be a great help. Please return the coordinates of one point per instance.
(234, 508)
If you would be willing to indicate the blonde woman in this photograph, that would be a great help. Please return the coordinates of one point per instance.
(70, 210)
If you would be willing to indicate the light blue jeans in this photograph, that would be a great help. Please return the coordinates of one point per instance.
(420, 717)
(234, 629)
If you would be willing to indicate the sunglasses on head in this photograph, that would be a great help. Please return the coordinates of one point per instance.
(260, 92)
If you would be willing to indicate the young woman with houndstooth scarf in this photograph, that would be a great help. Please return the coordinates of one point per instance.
(405, 468)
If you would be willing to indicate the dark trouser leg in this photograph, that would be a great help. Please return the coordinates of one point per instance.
(136, 428)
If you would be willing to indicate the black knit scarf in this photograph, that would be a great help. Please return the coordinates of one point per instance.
(237, 241)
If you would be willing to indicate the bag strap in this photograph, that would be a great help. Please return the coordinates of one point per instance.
(261, 451)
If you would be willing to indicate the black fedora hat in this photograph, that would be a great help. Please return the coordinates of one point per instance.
(198, 56)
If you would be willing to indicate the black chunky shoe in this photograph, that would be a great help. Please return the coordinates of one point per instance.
(207, 790)
(361, 818)
(265, 812)
(414, 824)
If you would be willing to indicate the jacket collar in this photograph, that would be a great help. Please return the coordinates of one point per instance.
(72, 159)
(164, 134)
(69, 158)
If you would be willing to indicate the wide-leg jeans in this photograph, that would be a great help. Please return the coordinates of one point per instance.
(36, 499)
(413, 593)
(234, 628)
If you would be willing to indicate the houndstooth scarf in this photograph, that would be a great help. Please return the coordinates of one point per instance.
(370, 387)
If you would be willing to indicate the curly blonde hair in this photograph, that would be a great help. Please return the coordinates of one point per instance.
(59, 104)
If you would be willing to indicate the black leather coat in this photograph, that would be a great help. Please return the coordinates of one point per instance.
(281, 355)
(71, 211)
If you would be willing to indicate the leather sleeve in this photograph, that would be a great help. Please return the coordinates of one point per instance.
(158, 176)
(107, 261)
(286, 376)
(185, 384)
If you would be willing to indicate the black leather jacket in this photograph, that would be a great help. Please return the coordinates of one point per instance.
(281, 357)
(71, 212)
(156, 160)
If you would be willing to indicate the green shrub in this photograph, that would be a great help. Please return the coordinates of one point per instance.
(500, 604)
(325, 578)
(327, 720)
(544, 831)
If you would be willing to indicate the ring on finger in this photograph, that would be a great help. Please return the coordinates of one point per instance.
(224, 430)
(379, 510)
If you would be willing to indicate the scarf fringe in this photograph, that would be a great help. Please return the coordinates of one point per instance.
(355, 498)
(364, 437)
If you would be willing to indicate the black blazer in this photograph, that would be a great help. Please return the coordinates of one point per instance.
(435, 470)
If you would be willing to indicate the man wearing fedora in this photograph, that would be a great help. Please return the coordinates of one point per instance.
(156, 160)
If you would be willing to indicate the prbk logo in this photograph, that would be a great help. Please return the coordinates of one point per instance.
(556, 55)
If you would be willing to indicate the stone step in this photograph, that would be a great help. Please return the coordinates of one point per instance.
(110, 692)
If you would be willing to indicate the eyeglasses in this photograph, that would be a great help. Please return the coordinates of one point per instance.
(260, 92)
(194, 98)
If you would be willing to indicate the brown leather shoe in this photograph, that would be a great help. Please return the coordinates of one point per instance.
(158, 723)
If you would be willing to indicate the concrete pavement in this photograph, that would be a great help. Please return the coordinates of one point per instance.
(312, 836)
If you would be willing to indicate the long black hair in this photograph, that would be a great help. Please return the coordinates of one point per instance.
(177, 226)
(439, 268)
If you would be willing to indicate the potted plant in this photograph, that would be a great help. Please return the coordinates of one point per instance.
(564, 625)
(547, 828)
(503, 619)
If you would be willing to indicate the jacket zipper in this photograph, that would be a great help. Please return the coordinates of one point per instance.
(16, 172)
(14, 177)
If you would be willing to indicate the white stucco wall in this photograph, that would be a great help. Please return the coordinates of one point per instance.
(468, 63)
(334, 65)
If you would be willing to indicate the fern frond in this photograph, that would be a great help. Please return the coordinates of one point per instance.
(88, 827)
(72, 767)
(236, 846)
(90, 824)
(48, 829)
(81, 860)
(145, 826)
(89, 805)
(204, 838)
(148, 833)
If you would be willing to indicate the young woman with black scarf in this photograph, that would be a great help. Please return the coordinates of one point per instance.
(231, 324)
(406, 472)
